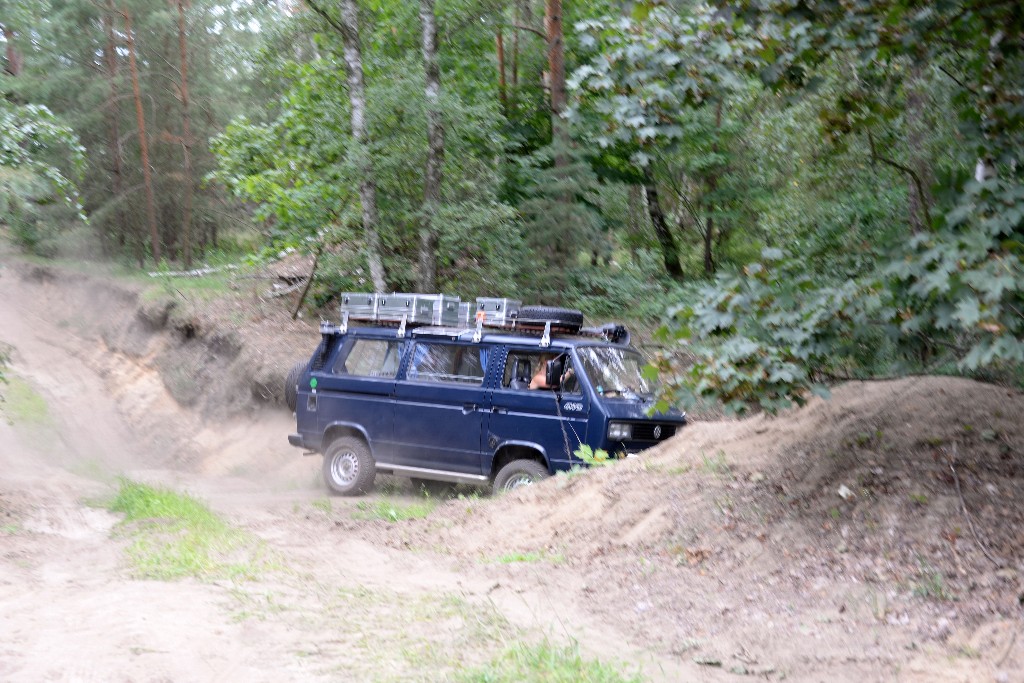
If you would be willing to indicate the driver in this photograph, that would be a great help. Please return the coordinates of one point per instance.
(540, 380)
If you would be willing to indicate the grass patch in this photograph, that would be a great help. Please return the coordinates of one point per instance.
(930, 585)
(514, 558)
(716, 464)
(545, 662)
(176, 536)
(22, 404)
(389, 511)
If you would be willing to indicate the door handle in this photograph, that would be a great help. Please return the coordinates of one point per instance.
(468, 408)
(499, 411)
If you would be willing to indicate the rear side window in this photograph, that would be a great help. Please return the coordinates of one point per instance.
(449, 363)
(371, 358)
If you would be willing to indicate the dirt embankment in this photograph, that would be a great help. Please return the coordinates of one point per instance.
(874, 536)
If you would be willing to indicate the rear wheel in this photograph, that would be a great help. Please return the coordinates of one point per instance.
(348, 467)
(519, 473)
(291, 385)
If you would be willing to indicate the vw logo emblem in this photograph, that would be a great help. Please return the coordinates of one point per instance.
(657, 432)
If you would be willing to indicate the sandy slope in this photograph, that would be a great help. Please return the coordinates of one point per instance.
(725, 553)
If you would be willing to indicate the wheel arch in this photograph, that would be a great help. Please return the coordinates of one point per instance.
(343, 429)
(517, 450)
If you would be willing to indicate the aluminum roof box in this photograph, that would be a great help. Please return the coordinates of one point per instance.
(420, 309)
(497, 312)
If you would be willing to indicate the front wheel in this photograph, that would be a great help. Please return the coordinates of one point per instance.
(349, 468)
(519, 473)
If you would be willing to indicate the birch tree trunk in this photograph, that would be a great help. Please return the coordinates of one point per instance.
(435, 150)
(357, 100)
(147, 176)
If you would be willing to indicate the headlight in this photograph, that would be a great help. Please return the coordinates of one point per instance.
(620, 431)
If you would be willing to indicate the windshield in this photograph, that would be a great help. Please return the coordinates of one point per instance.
(614, 372)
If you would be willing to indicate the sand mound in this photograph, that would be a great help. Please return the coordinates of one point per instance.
(846, 514)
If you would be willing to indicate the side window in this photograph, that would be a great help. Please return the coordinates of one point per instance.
(370, 358)
(452, 363)
(525, 370)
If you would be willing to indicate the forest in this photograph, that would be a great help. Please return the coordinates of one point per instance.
(791, 192)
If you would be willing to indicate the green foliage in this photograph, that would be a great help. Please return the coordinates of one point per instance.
(40, 159)
(965, 281)
(767, 335)
(32, 138)
(648, 73)
(595, 458)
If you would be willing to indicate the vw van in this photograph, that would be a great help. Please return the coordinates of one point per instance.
(418, 390)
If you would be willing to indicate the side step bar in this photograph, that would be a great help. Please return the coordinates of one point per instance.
(435, 475)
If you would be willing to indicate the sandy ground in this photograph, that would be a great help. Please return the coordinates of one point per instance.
(724, 555)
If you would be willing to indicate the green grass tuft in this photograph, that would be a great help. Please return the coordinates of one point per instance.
(176, 536)
(24, 405)
(546, 663)
(389, 511)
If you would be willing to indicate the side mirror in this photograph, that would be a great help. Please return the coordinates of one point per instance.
(554, 371)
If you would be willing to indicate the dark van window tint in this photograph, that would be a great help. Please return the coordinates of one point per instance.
(448, 363)
(371, 358)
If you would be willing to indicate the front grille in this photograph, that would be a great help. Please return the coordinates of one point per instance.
(644, 431)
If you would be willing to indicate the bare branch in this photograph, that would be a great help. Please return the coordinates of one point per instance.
(905, 169)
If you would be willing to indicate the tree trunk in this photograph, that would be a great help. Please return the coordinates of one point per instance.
(113, 112)
(561, 244)
(357, 101)
(709, 224)
(709, 239)
(186, 143)
(635, 222)
(919, 199)
(143, 142)
(520, 17)
(435, 150)
(669, 251)
(15, 62)
(556, 69)
(499, 41)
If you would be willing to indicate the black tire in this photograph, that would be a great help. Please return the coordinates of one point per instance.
(567, 319)
(519, 473)
(348, 467)
(291, 385)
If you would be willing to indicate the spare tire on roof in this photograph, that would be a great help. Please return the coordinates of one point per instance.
(561, 319)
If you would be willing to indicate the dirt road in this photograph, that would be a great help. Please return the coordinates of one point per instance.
(721, 557)
(340, 607)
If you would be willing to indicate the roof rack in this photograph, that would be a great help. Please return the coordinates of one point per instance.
(416, 310)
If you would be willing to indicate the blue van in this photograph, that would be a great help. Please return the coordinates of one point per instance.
(505, 405)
